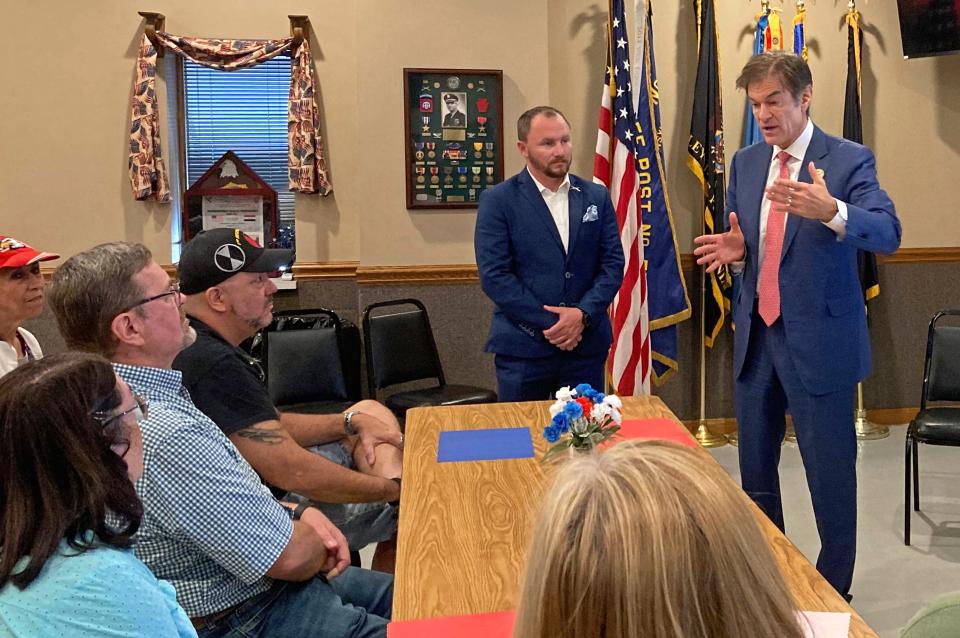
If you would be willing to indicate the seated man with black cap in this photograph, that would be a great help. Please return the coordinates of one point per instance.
(348, 464)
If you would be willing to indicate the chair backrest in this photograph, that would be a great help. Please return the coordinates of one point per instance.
(291, 320)
(304, 366)
(305, 319)
(941, 379)
(399, 344)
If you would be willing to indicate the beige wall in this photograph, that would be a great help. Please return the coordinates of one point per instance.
(494, 34)
(64, 115)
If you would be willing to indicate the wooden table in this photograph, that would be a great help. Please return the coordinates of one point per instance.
(464, 527)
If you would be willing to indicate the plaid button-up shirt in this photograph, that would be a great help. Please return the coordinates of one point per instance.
(210, 526)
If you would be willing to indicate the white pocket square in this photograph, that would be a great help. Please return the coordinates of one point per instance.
(591, 214)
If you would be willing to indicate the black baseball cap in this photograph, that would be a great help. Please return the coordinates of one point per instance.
(213, 256)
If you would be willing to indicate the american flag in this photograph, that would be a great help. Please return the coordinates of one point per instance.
(615, 166)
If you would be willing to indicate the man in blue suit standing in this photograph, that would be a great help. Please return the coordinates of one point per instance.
(799, 205)
(549, 256)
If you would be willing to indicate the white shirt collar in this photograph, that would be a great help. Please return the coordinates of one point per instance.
(563, 188)
(798, 150)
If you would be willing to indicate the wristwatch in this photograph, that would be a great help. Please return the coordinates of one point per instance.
(348, 428)
(396, 503)
(584, 318)
(297, 512)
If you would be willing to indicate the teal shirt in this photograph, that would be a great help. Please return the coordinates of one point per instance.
(938, 619)
(104, 592)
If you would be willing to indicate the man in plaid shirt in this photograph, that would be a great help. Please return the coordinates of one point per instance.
(242, 563)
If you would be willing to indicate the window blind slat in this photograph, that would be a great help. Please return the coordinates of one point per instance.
(245, 112)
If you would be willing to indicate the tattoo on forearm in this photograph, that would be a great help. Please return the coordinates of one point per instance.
(270, 436)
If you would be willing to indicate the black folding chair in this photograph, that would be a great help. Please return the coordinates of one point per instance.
(939, 424)
(311, 364)
(400, 348)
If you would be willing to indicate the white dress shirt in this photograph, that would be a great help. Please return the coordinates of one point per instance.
(797, 151)
(559, 204)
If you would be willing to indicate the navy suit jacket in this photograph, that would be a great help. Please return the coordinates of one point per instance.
(821, 302)
(523, 266)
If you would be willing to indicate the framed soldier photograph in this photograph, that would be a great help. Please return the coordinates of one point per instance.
(453, 129)
(454, 115)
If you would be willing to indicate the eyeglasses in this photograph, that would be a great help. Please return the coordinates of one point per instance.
(140, 411)
(173, 290)
(119, 442)
(254, 364)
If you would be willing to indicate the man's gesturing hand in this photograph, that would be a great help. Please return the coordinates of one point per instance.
(812, 201)
(721, 248)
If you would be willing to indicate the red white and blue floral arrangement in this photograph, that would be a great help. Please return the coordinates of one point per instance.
(582, 418)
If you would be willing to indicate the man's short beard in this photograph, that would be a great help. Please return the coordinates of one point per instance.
(189, 337)
(258, 323)
(553, 172)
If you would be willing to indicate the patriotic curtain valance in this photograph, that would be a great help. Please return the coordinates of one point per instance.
(306, 167)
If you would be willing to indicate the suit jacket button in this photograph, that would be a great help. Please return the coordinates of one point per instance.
(562, 304)
(568, 275)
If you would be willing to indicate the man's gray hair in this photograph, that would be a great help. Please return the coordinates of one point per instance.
(91, 288)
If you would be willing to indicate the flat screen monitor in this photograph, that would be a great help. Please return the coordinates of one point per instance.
(929, 27)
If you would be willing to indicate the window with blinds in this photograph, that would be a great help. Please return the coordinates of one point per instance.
(243, 111)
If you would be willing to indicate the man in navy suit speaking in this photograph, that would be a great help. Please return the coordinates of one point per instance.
(799, 205)
(549, 256)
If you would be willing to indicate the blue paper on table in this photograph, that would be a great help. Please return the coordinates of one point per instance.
(484, 445)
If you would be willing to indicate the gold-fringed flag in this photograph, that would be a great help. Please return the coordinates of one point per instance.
(667, 300)
(615, 166)
(767, 36)
(706, 159)
(799, 31)
(772, 31)
(853, 130)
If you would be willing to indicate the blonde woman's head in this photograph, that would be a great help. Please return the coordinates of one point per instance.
(650, 539)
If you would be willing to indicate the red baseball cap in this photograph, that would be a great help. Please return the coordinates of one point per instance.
(14, 253)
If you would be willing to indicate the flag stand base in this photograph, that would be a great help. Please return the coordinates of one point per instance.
(789, 435)
(734, 438)
(707, 439)
(867, 430)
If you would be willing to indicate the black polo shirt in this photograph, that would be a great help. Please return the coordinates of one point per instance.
(224, 382)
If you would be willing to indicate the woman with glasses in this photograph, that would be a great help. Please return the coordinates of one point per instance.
(71, 449)
(21, 298)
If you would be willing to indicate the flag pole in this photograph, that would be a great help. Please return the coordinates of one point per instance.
(865, 428)
(704, 153)
(704, 437)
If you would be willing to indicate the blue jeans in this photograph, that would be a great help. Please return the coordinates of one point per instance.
(356, 604)
(361, 523)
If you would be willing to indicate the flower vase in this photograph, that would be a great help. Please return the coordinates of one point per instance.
(580, 451)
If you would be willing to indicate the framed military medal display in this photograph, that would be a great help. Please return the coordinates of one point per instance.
(453, 129)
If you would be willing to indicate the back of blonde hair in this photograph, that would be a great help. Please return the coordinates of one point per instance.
(650, 540)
